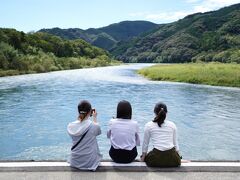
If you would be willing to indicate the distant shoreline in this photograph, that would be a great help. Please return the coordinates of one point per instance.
(12, 72)
(216, 74)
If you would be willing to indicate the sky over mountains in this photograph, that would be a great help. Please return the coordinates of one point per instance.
(28, 15)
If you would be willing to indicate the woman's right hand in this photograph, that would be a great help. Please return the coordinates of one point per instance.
(94, 114)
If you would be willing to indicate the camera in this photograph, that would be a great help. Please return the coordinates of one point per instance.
(92, 111)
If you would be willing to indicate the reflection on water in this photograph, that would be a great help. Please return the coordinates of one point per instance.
(35, 110)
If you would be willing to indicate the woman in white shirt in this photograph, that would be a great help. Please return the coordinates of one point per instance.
(163, 134)
(123, 135)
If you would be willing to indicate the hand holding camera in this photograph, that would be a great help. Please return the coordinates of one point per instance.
(94, 114)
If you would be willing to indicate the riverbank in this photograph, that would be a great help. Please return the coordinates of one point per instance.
(80, 65)
(217, 74)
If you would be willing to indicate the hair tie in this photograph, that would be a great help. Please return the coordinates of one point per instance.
(83, 112)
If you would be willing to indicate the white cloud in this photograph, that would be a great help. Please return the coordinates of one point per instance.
(166, 16)
(201, 9)
(198, 6)
(222, 2)
(209, 5)
(162, 17)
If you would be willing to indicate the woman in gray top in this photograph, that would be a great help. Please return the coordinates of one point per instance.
(85, 153)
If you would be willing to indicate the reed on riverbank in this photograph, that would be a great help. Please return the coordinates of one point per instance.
(64, 64)
(217, 74)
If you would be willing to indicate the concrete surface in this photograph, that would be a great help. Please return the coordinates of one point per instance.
(114, 171)
(111, 166)
(119, 175)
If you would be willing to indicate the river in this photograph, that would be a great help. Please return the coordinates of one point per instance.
(35, 110)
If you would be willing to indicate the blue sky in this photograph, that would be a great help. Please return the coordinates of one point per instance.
(32, 15)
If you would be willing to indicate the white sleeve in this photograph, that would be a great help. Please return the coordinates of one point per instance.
(175, 139)
(146, 139)
(137, 136)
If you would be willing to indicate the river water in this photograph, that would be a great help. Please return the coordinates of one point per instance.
(35, 110)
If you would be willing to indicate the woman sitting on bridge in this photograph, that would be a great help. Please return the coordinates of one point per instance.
(123, 134)
(85, 153)
(163, 134)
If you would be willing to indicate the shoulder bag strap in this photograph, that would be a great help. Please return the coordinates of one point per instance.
(75, 145)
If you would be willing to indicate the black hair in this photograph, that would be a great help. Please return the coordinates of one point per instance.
(124, 110)
(160, 110)
(84, 107)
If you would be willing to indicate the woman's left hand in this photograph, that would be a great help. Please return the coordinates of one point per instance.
(142, 157)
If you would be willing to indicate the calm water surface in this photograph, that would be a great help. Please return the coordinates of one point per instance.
(35, 110)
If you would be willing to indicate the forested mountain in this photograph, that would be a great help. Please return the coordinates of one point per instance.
(210, 36)
(105, 37)
(42, 52)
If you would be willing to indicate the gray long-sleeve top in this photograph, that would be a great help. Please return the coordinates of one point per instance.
(86, 154)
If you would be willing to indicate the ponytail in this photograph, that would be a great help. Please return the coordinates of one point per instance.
(160, 110)
(82, 116)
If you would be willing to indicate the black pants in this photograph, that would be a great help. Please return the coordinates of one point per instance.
(157, 158)
(122, 155)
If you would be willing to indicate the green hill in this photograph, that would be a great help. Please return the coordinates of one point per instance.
(41, 52)
(211, 36)
(105, 37)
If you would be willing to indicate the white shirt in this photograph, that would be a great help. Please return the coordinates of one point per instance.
(163, 138)
(123, 133)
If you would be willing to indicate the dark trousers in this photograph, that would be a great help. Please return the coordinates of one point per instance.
(122, 155)
(157, 158)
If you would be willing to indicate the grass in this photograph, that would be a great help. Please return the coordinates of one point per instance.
(91, 64)
(9, 72)
(217, 74)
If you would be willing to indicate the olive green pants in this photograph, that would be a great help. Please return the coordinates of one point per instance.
(157, 158)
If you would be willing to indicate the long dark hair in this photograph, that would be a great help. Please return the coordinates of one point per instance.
(160, 111)
(124, 110)
(84, 107)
